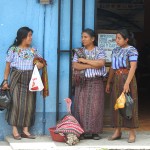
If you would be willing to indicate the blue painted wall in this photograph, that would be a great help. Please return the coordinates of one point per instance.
(15, 14)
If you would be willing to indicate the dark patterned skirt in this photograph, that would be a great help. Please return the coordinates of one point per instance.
(117, 88)
(89, 105)
(22, 111)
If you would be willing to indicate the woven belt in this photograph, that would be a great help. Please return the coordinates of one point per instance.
(122, 71)
(94, 78)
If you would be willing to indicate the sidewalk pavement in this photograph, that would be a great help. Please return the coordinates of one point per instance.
(46, 143)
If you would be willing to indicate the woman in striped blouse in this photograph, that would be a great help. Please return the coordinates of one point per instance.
(89, 94)
(122, 71)
(19, 65)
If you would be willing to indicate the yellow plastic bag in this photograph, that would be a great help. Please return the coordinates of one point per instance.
(120, 102)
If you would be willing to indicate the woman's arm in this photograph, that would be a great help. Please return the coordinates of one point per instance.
(109, 80)
(111, 75)
(96, 64)
(81, 66)
(6, 74)
(130, 76)
(7, 71)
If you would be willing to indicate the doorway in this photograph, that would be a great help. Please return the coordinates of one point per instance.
(131, 14)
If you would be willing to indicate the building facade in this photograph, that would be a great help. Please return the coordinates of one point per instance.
(57, 27)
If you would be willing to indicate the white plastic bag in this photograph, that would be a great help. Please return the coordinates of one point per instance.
(36, 82)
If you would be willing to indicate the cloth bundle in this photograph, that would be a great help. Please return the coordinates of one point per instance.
(69, 126)
(78, 75)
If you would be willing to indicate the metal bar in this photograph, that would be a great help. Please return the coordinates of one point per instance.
(70, 54)
(58, 61)
(95, 16)
(44, 111)
(59, 51)
(44, 116)
(83, 14)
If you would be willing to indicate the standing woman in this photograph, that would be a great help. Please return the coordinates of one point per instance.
(19, 65)
(89, 94)
(122, 72)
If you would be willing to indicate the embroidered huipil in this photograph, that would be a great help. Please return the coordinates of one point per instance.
(95, 54)
(21, 59)
(121, 56)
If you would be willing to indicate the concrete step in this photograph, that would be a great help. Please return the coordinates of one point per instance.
(46, 143)
(4, 145)
(40, 143)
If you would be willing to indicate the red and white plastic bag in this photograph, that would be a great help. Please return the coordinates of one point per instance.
(36, 82)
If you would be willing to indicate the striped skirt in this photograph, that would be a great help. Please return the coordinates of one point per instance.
(89, 105)
(22, 111)
(117, 88)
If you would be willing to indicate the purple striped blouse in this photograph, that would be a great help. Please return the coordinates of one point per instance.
(121, 55)
(95, 54)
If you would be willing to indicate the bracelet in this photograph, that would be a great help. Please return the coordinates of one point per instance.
(5, 81)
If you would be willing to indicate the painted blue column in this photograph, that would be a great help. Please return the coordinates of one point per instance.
(77, 29)
(89, 13)
(50, 53)
(64, 56)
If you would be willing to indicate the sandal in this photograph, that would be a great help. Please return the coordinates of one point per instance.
(131, 140)
(16, 137)
(115, 138)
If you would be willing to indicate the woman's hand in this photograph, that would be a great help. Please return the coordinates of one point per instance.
(39, 65)
(107, 90)
(82, 60)
(5, 86)
(126, 88)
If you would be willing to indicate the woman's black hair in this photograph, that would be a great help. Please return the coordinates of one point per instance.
(22, 33)
(125, 33)
(91, 33)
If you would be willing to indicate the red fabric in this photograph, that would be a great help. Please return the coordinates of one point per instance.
(68, 124)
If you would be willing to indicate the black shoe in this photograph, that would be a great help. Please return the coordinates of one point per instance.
(81, 137)
(88, 136)
(95, 136)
